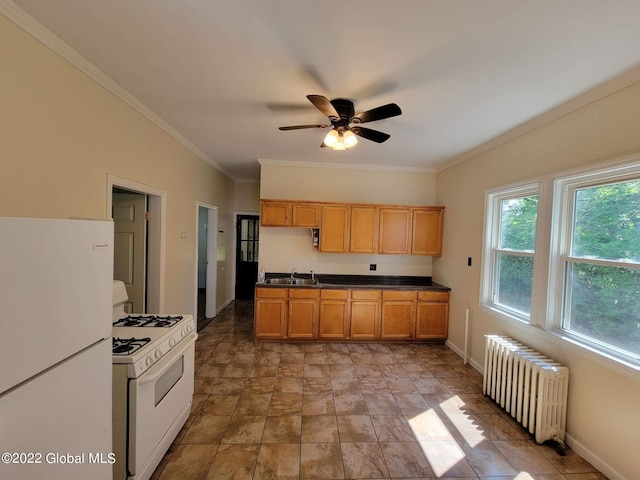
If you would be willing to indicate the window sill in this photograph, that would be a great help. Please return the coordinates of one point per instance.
(566, 342)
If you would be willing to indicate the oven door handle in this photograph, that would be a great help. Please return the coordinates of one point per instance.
(164, 362)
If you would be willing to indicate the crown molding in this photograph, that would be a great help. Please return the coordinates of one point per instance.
(347, 166)
(599, 92)
(57, 45)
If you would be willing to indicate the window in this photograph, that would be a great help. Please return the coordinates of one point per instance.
(597, 265)
(510, 250)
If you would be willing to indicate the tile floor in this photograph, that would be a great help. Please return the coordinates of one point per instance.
(342, 411)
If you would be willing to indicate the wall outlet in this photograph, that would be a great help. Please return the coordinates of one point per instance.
(372, 266)
(468, 261)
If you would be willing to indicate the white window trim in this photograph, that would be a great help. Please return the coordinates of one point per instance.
(493, 198)
(561, 228)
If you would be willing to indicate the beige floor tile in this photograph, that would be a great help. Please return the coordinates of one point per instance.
(350, 405)
(363, 460)
(319, 404)
(220, 404)
(321, 461)
(278, 461)
(319, 428)
(234, 462)
(206, 429)
(405, 460)
(356, 428)
(244, 429)
(189, 461)
(282, 429)
(523, 455)
(285, 404)
(392, 428)
(253, 404)
(382, 403)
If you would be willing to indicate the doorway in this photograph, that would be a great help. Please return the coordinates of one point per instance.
(207, 263)
(151, 241)
(247, 243)
(129, 213)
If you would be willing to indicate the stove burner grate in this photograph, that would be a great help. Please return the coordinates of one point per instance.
(127, 346)
(148, 321)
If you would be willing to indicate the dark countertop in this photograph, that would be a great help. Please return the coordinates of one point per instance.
(386, 282)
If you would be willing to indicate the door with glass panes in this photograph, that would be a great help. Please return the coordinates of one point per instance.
(247, 236)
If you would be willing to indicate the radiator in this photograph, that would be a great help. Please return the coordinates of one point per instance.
(532, 388)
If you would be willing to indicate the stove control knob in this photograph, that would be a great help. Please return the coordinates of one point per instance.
(158, 353)
(172, 342)
(183, 332)
(149, 360)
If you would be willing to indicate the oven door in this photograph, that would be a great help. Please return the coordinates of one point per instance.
(159, 404)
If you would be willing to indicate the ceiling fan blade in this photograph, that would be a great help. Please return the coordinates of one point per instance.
(300, 127)
(325, 106)
(379, 113)
(373, 135)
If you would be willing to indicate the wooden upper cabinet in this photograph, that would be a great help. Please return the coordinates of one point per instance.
(275, 214)
(334, 228)
(305, 215)
(426, 237)
(395, 228)
(364, 229)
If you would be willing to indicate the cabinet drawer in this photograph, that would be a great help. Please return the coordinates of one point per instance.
(433, 296)
(271, 293)
(304, 293)
(335, 294)
(365, 294)
(399, 295)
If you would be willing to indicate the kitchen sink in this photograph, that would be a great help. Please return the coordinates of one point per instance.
(305, 281)
(292, 281)
(279, 281)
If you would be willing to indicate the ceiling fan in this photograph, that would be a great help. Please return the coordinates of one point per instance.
(345, 123)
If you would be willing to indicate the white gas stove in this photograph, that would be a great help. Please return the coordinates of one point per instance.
(153, 377)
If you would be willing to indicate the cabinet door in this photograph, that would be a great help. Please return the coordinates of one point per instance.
(302, 320)
(426, 238)
(432, 320)
(334, 314)
(270, 318)
(275, 214)
(395, 226)
(398, 314)
(334, 228)
(364, 227)
(305, 215)
(432, 316)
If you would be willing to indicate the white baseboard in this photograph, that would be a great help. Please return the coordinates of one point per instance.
(602, 466)
(460, 352)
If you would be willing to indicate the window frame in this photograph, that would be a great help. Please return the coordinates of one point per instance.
(560, 255)
(491, 251)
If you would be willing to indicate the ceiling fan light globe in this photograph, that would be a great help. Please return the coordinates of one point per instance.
(332, 139)
(349, 139)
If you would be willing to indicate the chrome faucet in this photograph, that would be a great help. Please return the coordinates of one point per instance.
(294, 270)
(313, 276)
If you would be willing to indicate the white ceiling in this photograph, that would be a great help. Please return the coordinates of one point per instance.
(225, 74)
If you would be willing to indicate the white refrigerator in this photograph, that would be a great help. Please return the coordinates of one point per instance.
(55, 348)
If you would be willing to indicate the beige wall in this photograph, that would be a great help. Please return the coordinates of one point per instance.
(247, 197)
(61, 134)
(281, 249)
(603, 403)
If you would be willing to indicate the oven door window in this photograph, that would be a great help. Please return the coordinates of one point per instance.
(165, 383)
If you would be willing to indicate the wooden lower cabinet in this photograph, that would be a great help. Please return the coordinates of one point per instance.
(365, 314)
(334, 314)
(350, 314)
(398, 314)
(270, 313)
(432, 315)
(303, 313)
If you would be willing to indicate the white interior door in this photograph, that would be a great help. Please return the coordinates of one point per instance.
(129, 263)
